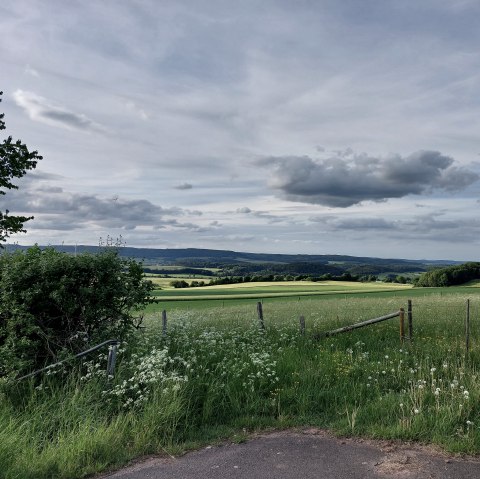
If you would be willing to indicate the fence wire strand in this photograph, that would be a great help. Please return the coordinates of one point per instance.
(435, 317)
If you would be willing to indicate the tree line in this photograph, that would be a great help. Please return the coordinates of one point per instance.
(450, 276)
(270, 278)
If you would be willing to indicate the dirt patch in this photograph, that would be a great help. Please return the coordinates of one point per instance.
(400, 465)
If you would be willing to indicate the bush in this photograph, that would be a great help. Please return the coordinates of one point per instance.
(53, 304)
(179, 283)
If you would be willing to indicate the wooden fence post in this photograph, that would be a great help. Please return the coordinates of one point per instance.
(410, 320)
(402, 324)
(467, 328)
(260, 315)
(302, 325)
(164, 323)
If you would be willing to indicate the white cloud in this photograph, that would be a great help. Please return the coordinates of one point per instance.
(132, 106)
(31, 71)
(40, 109)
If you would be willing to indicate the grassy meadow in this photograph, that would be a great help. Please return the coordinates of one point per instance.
(215, 375)
(243, 293)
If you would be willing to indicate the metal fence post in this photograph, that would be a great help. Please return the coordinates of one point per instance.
(112, 358)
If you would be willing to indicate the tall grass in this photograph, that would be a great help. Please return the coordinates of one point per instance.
(215, 372)
(66, 430)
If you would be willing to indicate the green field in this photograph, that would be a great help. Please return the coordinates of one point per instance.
(235, 294)
(216, 374)
(272, 289)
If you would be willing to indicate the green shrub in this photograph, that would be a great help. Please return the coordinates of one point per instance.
(53, 304)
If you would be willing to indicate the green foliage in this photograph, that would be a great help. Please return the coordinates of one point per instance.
(15, 160)
(450, 276)
(214, 374)
(53, 304)
(179, 283)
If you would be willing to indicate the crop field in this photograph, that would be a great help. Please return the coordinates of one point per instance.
(273, 288)
(215, 374)
(163, 283)
(236, 294)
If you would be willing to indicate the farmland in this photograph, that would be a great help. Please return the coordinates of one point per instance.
(216, 374)
(272, 289)
(234, 294)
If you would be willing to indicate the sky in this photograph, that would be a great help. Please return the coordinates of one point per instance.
(313, 127)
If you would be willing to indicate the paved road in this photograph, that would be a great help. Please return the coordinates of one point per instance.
(306, 454)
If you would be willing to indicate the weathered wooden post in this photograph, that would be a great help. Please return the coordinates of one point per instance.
(164, 323)
(111, 360)
(467, 328)
(402, 324)
(302, 325)
(410, 320)
(260, 315)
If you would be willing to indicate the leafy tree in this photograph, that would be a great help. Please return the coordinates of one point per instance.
(179, 283)
(54, 304)
(15, 160)
(450, 276)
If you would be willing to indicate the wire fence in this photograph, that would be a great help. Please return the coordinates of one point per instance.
(435, 317)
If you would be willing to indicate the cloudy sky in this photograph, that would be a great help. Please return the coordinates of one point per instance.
(327, 127)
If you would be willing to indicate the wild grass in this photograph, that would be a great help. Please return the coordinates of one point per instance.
(216, 373)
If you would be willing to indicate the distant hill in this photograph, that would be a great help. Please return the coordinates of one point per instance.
(240, 263)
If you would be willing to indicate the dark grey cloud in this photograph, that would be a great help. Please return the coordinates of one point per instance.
(271, 218)
(57, 209)
(244, 210)
(40, 109)
(184, 186)
(50, 189)
(37, 175)
(70, 119)
(348, 178)
(336, 223)
(365, 224)
(436, 226)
